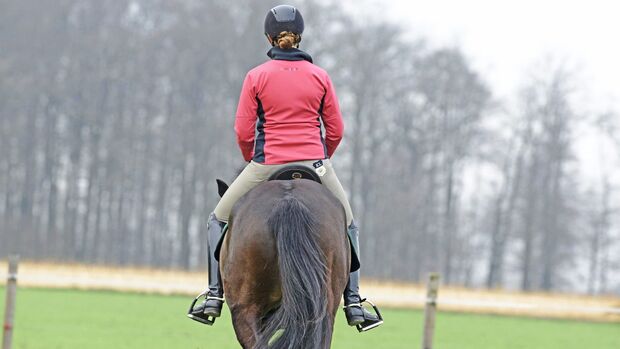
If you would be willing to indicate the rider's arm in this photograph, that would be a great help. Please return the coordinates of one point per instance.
(332, 119)
(245, 120)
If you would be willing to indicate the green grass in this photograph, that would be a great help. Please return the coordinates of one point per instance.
(51, 319)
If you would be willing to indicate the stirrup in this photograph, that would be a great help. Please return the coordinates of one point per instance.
(209, 320)
(366, 325)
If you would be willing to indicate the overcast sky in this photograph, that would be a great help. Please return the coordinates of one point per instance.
(504, 39)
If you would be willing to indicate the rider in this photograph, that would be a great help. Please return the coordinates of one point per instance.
(282, 106)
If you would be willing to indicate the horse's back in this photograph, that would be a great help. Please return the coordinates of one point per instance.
(249, 216)
(312, 194)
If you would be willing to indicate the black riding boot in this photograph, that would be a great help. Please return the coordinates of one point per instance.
(354, 311)
(211, 307)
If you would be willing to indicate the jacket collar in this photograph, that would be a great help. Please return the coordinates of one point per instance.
(291, 54)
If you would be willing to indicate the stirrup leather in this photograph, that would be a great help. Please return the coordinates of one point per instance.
(364, 326)
(210, 319)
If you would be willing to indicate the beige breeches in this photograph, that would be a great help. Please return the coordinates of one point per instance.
(255, 173)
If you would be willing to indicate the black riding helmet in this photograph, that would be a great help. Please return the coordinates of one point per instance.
(283, 18)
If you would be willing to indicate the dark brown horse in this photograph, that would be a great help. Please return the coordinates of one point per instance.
(285, 263)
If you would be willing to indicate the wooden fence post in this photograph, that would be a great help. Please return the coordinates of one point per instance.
(9, 309)
(429, 310)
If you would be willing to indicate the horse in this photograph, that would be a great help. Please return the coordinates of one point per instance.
(284, 262)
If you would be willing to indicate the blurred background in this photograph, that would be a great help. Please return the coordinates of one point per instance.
(483, 145)
(482, 142)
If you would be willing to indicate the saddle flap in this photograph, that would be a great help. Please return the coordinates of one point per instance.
(295, 172)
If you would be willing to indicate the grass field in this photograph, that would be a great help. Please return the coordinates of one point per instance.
(54, 319)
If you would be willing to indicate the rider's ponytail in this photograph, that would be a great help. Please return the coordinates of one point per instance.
(287, 40)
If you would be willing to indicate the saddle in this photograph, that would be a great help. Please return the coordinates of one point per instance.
(295, 172)
(284, 174)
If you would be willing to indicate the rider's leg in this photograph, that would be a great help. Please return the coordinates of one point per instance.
(211, 307)
(330, 180)
(356, 314)
(354, 311)
(252, 175)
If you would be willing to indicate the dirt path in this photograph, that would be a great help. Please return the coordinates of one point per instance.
(385, 294)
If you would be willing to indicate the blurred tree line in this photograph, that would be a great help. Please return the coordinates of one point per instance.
(116, 117)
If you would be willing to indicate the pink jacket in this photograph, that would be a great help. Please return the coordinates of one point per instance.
(282, 105)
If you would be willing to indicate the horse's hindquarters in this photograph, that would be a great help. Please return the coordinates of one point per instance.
(296, 230)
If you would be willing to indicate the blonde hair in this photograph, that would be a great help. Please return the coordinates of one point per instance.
(287, 40)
